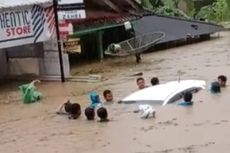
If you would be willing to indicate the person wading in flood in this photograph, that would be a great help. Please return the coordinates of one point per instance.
(130, 34)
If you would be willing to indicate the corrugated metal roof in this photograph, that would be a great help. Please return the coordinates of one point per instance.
(15, 3)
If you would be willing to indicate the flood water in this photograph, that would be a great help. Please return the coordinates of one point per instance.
(204, 127)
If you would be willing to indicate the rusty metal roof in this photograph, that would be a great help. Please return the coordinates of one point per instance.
(107, 12)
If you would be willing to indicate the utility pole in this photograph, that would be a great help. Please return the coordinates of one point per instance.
(55, 5)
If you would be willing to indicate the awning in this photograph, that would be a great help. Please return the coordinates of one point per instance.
(96, 29)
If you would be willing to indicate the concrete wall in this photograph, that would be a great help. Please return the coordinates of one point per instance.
(39, 59)
(3, 64)
(24, 60)
(49, 65)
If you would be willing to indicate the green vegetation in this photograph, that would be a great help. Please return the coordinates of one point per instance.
(164, 7)
(217, 10)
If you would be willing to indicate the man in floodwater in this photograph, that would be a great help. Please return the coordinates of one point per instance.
(108, 96)
(222, 79)
(187, 99)
(141, 83)
(155, 81)
(146, 111)
(215, 87)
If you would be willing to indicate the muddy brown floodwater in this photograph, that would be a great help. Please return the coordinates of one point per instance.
(35, 128)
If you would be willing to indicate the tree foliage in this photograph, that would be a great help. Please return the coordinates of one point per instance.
(164, 7)
(218, 11)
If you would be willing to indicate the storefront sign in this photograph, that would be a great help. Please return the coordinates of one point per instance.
(63, 2)
(71, 14)
(24, 26)
(71, 9)
(72, 45)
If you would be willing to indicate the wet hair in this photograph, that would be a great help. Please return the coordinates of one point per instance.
(215, 87)
(106, 92)
(75, 110)
(140, 78)
(67, 106)
(187, 96)
(102, 114)
(89, 113)
(154, 81)
(222, 78)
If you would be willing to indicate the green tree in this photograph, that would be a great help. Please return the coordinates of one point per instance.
(218, 11)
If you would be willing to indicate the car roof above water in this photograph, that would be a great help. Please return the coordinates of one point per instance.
(164, 92)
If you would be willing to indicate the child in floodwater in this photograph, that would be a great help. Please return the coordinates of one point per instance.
(71, 109)
(102, 114)
(187, 99)
(146, 111)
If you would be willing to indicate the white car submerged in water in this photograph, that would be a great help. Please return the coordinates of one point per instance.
(163, 94)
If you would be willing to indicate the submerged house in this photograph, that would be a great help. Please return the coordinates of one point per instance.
(35, 52)
(103, 25)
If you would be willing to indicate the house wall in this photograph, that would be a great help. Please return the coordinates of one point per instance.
(40, 59)
(24, 60)
(49, 64)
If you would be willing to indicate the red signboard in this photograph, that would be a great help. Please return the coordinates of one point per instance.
(65, 29)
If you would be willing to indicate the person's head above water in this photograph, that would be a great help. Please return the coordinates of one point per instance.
(102, 114)
(141, 83)
(188, 97)
(67, 106)
(108, 96)
(222, 79)
(75, 111)
(215, 87)
(155, 81)
(90, 113)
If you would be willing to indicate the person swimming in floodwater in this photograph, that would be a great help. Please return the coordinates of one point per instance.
(108, 96)
(141, 83)
(146, 111)
(102, 114)
(73, 110)
(215, 87)
(222, 79)
(155, 81)
(187, 99)
(90, 113)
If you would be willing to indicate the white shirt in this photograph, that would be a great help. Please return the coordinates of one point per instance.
(146, 111)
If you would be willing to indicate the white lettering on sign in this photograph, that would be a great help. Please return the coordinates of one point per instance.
(26, 25)
(62, 2)
(15, 23)
(73, 14)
